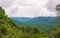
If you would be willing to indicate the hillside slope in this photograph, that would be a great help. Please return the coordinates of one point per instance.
(7, 28)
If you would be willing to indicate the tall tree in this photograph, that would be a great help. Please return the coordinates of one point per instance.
(57, 20)
(56, 31)
(58, 9)
(2, 12)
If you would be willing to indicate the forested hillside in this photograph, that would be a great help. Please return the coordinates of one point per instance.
(8, 29)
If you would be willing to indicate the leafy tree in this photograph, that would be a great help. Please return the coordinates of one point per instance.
(56, 32)
(57, 20)
(2, 12)
(58, 9)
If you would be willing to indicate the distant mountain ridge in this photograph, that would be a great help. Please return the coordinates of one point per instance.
(35, 19)
(42, 19)
(22, 19)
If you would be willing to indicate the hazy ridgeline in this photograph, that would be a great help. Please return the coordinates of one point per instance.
(38, 27)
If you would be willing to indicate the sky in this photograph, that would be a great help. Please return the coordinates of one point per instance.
(29, 8)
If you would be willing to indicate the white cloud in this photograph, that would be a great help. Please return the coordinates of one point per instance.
(52, 4)
(28, 8)
(6, 3)
(28, 2)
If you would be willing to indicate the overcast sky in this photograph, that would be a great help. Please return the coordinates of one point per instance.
(29, 8)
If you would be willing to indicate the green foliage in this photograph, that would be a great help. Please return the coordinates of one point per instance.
(2, 12)
(7, 28)
(30, 32)
(55, 32)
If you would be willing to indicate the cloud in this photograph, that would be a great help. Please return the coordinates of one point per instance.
(28, 8)
(52, 4)
(28, 2)
(6, 3)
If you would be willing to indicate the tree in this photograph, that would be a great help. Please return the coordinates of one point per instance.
(58, 9)
(57, 20)
(2, 12)
(55, 32)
